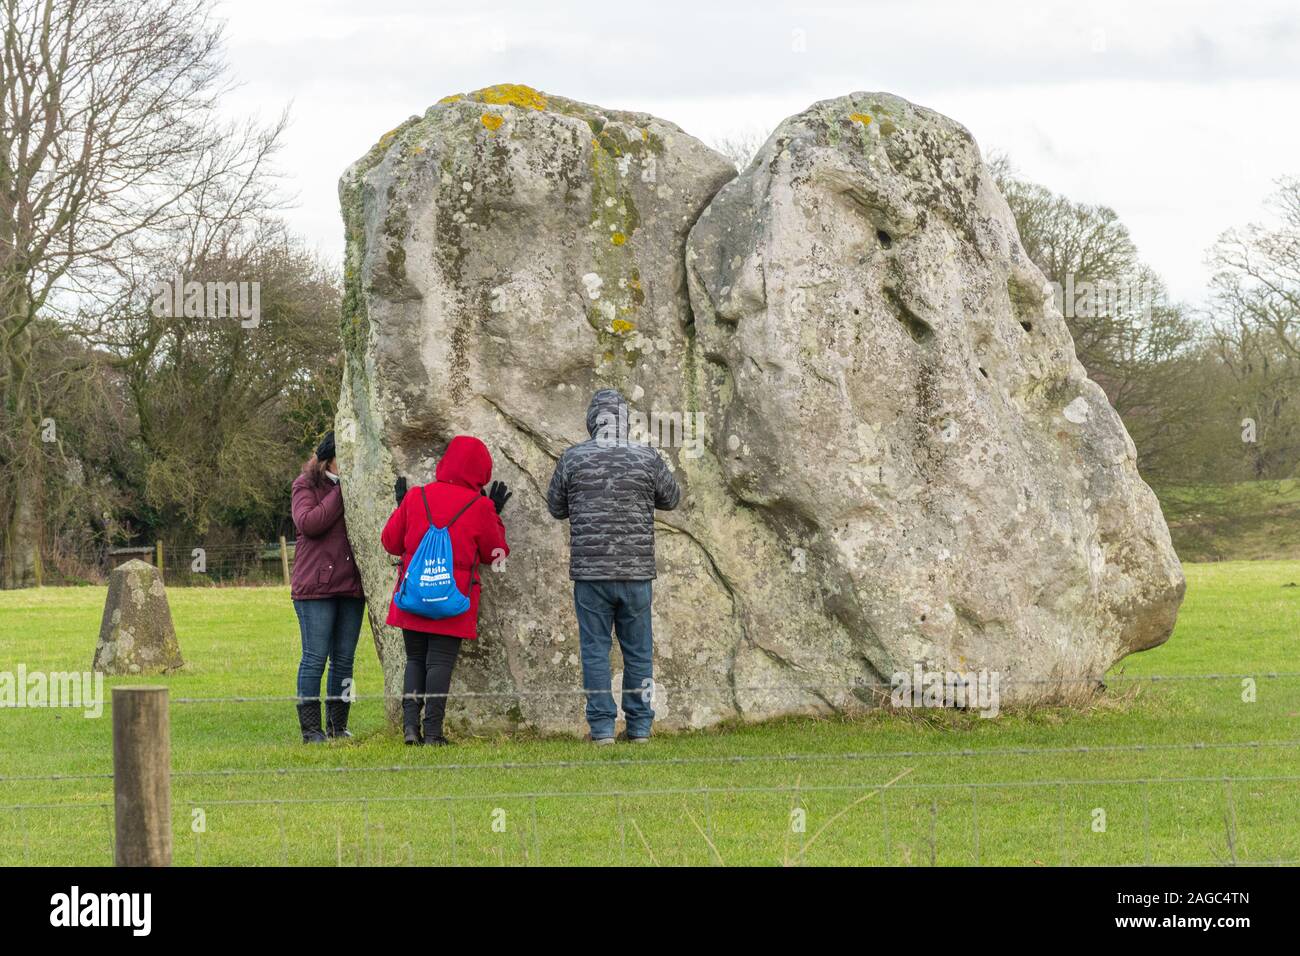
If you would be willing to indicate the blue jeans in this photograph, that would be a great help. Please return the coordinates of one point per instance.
(330, 628)
(624, 607)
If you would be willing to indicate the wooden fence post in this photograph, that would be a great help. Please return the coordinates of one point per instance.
(160, 558)
(284, 559)
(142, 797)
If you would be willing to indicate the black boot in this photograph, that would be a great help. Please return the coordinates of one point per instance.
(411, 720)
(309, 721)
(336, 718)
(432, 734)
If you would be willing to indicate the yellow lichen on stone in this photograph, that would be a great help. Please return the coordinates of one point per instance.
(622, 325)
(618, 238)
(862, 118)
(511, 94)
(491, 121)
(453, 98)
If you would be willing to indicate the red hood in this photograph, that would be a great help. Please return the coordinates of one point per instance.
(466, 462)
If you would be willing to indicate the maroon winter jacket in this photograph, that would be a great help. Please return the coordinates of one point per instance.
(323, 565)
(477, 537)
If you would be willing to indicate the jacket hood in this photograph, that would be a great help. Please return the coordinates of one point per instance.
(466, 462)
(607, 415)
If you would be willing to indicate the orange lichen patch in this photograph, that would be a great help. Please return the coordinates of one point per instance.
(454, 98)
(622, 325)
(618, 238)
(491, 120)
(862, 118)
(386, 140)
(511, 94)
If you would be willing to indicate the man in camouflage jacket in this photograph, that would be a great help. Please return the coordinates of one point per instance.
(608, 488)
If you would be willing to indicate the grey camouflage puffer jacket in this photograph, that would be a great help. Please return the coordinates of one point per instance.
(609, 488)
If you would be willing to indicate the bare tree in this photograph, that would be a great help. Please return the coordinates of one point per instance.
(110, 142)
(742, 147)
(220, 409)
(1257, 330)
(1141, 349)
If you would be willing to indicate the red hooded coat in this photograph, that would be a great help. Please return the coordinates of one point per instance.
(478, 536)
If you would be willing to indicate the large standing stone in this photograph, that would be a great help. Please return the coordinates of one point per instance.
(136, 635)
(894, 387)
(507, 254)
(901, 460)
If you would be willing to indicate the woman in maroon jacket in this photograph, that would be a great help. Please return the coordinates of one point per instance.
(477, 537)
(326, 590)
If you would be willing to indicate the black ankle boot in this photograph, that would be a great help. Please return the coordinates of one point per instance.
(309, 722)
(410, 716)
(432, 732)
(336, 718)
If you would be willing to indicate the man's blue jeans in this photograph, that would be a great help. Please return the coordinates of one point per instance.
(624, 607)
(330, 628)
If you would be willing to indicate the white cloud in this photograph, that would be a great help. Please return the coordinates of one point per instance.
(1177, 115)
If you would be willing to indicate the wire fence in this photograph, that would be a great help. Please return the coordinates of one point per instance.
(836, 809)
(789, 689)
(885, 821)
(248, 563)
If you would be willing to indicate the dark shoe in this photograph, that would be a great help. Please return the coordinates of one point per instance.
(436, 741)
(411, 717)
(599, 741)
(336, 718)
(411, 735)
(633, 740)
(309, 722)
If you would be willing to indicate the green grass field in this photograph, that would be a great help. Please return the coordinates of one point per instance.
(1012, 790)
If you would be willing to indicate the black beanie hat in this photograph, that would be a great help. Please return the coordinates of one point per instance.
(325, 450)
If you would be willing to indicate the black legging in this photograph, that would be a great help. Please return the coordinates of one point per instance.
(429, 662)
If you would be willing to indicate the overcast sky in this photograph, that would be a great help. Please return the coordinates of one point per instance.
(1178, 115)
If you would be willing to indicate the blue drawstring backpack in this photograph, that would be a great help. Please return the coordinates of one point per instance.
(429, 586)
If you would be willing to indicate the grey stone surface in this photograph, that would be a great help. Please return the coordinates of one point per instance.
(900, 459)
(136, 635)
(906, 402)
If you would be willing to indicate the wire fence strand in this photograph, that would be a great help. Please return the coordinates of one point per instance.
(705, 759)
(727, 689)
(507, 795)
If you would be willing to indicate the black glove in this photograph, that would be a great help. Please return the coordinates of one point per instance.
(399, 489)
(499, 495)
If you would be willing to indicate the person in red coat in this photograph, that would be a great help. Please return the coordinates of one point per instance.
(477, 537)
